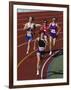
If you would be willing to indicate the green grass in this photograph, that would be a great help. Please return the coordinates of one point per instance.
(55, 68)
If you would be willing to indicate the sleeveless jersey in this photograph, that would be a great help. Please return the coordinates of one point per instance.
(44, 28)
(41, 43)
(30, 26)
(53, 28)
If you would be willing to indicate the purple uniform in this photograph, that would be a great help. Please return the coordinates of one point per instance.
(53, 30)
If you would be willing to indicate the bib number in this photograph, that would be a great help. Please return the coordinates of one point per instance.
(29, 34)
(53, 31)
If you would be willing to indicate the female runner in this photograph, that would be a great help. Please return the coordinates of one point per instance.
(29, 27)
(41, 49)
(54, 31)
(44, 28)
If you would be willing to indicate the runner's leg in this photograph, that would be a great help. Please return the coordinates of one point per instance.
(54, 42)
(38, 62)
(28, 47)
(50, 45)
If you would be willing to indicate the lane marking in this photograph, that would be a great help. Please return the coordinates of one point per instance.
(47, 62)
(24, 43)
(35, 32)
(25, 34)
(28, 54)
(20, 36)
(32, 41)
(25, 58)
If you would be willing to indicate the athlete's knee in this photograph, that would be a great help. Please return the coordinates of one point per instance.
(38, 54)
(50, 39)
(45, 36)
(29, 41)
(54, 42)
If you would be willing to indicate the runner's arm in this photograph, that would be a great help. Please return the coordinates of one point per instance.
(46, 41)
(49, 26)
(35, 42)
(25, 27)
(37, 25)
(59, 29)
(49, 29)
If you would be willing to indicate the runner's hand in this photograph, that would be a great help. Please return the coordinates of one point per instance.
(34, 48)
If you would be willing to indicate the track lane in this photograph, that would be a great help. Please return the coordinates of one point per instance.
(27, 69)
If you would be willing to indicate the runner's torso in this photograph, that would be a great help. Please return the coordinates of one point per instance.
(53, 28)
(41, 44)
(30, 28)
(44, 28)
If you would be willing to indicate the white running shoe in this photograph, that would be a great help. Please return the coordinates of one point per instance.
(50, 53)
(37, 72)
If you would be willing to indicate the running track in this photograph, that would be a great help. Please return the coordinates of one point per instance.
(26, 65)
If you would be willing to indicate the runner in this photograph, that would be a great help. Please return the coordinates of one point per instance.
(41, 49)
(54, 31)
(29, 27)
(44, 28)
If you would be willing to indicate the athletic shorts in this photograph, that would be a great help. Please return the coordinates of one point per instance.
(29, 37)
(41, 52)
(53, 35)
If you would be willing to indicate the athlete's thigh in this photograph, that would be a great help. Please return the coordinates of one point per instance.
(54, 40)
(50, 39)
(38, 54)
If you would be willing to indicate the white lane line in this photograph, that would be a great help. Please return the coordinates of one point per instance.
(46, 63)
(24, 44)
(32, 41)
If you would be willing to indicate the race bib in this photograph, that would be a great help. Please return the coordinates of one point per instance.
(53, 31)
(29, 34)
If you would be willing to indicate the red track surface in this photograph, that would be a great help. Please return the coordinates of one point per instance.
(27, 64)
